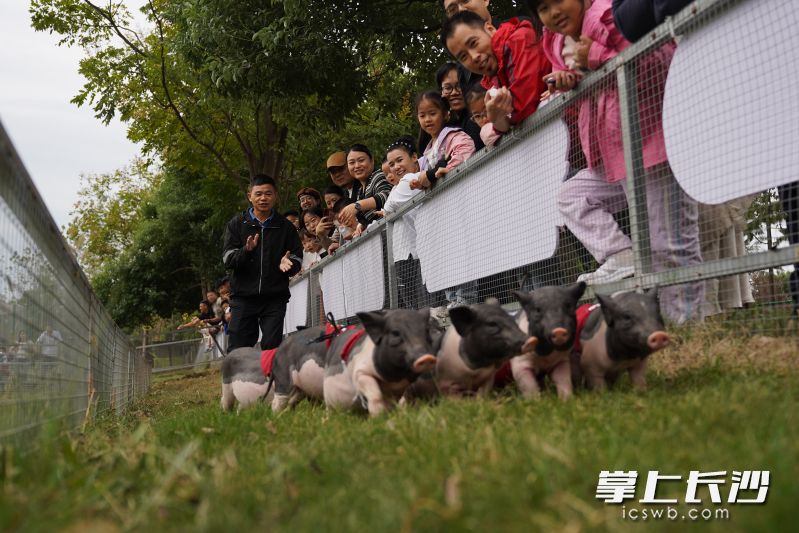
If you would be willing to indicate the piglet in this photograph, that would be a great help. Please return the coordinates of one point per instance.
(481, 339)
(299, 368)
(549, 315)
(296, 369)
(619, 335)
(243, 379)
(373, 371)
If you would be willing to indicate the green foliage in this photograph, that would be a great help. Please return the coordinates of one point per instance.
(765, 220)
(174, 253)
(103, 220)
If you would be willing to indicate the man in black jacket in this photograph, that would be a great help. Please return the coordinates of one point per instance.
(263, 250)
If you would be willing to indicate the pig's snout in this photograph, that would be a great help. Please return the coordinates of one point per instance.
(529, 345)
(658, 340)
(559, 336)
(425, 363)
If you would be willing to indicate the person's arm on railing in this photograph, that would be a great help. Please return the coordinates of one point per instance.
(461, 148)
(591, 55)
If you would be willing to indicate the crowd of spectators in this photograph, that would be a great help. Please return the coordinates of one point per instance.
(502, 73)
(212, 319)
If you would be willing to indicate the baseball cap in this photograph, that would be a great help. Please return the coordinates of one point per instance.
(337, 159)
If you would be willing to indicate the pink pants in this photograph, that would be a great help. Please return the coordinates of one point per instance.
(587, 203)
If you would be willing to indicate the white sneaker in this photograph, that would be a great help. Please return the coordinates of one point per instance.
(440, 315)
(617, 267)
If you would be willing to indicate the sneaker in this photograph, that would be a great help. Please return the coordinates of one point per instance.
(617, 267)
(440, 315)
(458, 302)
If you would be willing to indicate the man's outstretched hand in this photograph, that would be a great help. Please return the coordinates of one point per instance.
(285, 262)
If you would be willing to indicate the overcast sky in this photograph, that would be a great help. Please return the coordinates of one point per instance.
(56, 140)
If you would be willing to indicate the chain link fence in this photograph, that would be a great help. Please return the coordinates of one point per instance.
(63, 361)
(674, 160)
(186, 353)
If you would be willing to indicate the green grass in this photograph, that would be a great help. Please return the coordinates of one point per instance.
(177, 463)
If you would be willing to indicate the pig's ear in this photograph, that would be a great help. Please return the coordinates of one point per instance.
(375, 323)
(608, 307)
(577, 290)
(463, 319)
(522, 296)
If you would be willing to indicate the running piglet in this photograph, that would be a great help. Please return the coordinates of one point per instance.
(549, 315)
(481, 339)
(619, 334)
(371, 367)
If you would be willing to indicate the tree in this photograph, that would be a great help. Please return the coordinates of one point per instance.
(175, 251)
(233, 79)
(104, 217)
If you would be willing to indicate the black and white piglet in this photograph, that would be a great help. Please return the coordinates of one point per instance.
(549, 315)
(619, 335)
(370, 369)
(481, 339)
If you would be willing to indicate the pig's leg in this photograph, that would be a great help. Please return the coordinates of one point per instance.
(279, 402)
(484, 389)
(368, 386)
(562, 377)
(521, 368)
(228, 399)
(595, 378)
(295, 396)
(576, 370)
(638, 376)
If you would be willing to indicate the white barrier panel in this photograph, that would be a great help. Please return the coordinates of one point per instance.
(332, 284)
(512, 196)
(297, 308)
(363, 277)
(404, 236)
(731, 113)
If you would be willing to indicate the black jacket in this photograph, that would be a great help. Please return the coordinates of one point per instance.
(636, 18)
(257, 273)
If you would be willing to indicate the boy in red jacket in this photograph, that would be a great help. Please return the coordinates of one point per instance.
(511, 61)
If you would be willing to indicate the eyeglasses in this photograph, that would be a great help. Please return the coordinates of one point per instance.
(478, 116)
(449, 89)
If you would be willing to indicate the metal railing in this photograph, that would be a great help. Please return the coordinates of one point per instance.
(489, 189)
(63, 361)
(188, 354)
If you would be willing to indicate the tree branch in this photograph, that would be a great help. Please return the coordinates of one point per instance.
(220, 160)
(117, 29)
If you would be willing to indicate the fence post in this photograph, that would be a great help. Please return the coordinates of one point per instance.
(634, 164)
(391, 269)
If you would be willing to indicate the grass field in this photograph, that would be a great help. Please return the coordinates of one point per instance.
(177, 463)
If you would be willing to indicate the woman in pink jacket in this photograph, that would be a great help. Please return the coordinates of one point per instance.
(579, 37)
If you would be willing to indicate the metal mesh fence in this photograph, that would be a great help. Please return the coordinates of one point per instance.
(186, 354)
(670, 164)
(62, 359)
